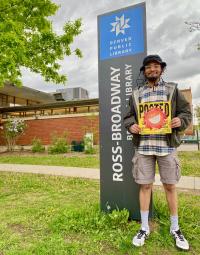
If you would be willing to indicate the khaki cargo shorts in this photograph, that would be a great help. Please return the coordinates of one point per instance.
(144, 168)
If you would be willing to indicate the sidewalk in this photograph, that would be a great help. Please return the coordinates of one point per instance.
(186, 182)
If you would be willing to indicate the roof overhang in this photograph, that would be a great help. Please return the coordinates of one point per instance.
(27, 93)
(57, 105)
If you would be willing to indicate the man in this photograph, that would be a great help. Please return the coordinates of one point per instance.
(157, 147)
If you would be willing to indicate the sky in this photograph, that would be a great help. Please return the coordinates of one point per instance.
(167, 35)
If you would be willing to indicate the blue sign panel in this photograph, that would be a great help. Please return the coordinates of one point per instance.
(121, 33)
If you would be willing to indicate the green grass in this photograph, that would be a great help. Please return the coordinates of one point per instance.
(54, 160)
(190, 161)
(48, 215)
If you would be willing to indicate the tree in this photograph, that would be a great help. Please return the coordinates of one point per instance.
(27, 40)
(194, 26)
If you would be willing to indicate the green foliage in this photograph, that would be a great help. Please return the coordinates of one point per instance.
(90, 150)
(86, 161)
(37, 145)
(59, 144)
(55, 215)
(13, 129)
(190, 163)
(27, 40)
(79, 222)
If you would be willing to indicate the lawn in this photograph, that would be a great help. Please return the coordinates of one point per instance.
(190, 161)
(74, 160)
(48, 215)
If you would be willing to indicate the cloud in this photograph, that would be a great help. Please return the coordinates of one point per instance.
(167, 35)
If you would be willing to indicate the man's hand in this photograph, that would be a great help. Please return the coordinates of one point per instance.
(176, 122)
(135, 129)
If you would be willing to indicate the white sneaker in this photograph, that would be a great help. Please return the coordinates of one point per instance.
(180, 240)
(140, 237)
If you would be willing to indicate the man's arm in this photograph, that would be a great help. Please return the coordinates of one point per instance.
(130, 117)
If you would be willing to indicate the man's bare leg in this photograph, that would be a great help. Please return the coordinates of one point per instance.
(145, 197)
(172, 200)
(171, 195)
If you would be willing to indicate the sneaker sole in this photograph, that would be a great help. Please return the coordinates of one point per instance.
(183, 249)
(179, 247)
(137, 245)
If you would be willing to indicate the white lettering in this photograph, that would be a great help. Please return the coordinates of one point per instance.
(116, 119)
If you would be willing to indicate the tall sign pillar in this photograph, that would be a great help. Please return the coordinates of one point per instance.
(121, 49)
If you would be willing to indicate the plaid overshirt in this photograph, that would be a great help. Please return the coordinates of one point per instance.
(153, 144)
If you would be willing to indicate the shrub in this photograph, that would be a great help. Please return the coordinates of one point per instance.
(59, 144)
(13, 129)
(37, 145)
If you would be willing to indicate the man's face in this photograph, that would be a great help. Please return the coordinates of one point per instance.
(152, 71)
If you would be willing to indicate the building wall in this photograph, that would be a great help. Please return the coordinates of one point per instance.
(73, 93)
(75, 126)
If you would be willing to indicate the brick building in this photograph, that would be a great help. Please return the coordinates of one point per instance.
(48, 117)
(45, 116)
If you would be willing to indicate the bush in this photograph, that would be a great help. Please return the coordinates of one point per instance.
(37, 145)
(59, 145)
(90, 150)
(13, 128)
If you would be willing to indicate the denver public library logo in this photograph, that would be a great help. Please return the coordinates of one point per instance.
(122, 45)
(121, 33)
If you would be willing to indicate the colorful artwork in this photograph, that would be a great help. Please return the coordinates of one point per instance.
(155, 117)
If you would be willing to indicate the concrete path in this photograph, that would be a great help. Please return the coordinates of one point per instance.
(52, 170)
(188, 147)
(186, 182)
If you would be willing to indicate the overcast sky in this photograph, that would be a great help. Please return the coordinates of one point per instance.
(167, 35)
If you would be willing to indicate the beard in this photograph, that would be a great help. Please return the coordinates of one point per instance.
(152, 79)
